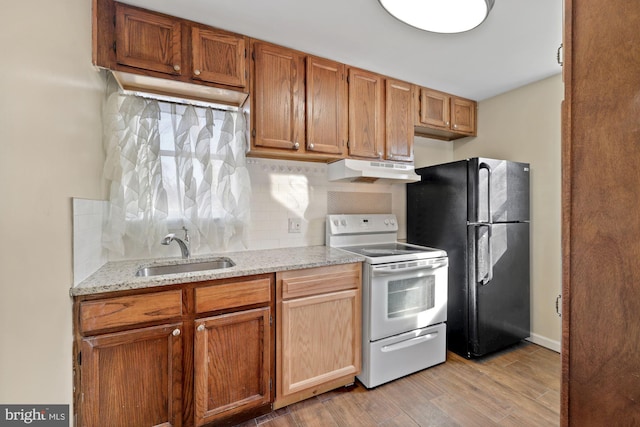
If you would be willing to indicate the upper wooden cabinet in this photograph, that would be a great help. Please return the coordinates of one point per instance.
(443, 116)
(298, 105)
(148, 40)
(326, 102)
(277, 99)
(138, 41)
(399, 120)
(218, 57)
(366, 114)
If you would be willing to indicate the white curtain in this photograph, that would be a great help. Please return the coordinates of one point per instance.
(171, 166)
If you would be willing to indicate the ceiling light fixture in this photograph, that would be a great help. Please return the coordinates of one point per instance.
(440, 16)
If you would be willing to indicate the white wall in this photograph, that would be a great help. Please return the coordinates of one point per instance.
(524, 125)
(50, 151)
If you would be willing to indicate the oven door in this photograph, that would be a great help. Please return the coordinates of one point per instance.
(406, 295)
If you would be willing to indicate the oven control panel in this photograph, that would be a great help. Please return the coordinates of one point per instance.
(356, 224)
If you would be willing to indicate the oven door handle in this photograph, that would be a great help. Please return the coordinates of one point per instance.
(385, 270)
(410, 342)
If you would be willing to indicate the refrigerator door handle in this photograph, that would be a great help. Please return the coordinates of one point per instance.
(484, 165)
(488, 277)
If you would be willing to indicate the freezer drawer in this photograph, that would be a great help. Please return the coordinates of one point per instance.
(394, 357)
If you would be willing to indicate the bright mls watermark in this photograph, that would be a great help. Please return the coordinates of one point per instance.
(34, 415)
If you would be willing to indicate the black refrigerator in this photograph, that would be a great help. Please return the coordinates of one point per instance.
(478, 211)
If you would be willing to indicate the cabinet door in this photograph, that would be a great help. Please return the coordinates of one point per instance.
(232, 364)
(218, 57)
(399, 120)
(326, 88)
(434, 109)
(319, 340)
(366, 114)
(278, 97)
(133, 378)
(463, 116)
(147, 40)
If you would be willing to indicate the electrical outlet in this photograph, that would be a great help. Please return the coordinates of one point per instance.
(295, 225)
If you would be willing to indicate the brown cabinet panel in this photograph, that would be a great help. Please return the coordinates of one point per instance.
(319, 340)
(366, 114)
(318, 334)
(444, 116)
(147, 40)
(313, 281)
(132, 378)
(232, 364)
(230, 295)
(326, 106)
(463, 115)
(277, 111)
(218, 57)
(399, 120)
(129, 310)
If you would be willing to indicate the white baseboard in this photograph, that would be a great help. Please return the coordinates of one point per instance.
(545, 342)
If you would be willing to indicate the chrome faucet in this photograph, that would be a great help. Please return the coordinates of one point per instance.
(183, 243)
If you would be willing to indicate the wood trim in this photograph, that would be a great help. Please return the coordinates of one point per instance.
(129, 310)
(319, 280)
(232, 295)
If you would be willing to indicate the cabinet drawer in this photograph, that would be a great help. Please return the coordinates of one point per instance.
(129, 310)
(230, 295)
(319, 280)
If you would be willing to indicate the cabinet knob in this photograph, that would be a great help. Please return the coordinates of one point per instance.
(196, 72)
(447, 123)
(176, 332)
(379, 154)
(390, 156)
(455, 126)
(296, 146)
(176, 67)
(311, 146)
(200, 328)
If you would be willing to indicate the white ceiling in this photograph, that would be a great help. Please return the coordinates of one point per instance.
(516, 45)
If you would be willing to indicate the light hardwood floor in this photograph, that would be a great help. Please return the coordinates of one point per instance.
(519, 386)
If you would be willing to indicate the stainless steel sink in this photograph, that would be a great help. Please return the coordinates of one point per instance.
(158, 270)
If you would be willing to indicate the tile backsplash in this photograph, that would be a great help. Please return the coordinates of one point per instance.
(281, 190)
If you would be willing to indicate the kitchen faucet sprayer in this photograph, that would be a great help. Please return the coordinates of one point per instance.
(183, 243)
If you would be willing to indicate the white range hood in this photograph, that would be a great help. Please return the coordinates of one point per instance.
(371, 171)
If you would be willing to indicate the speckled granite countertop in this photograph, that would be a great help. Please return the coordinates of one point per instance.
(120, 275)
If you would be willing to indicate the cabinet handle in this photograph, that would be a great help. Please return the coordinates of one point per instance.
(296, 146)
(196, 72)
(176, 332)
(176, 67)
(311, 146)
(200, 328)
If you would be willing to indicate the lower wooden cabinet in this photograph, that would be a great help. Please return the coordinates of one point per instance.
(132, 378)
(318, 330)
(232, 356)
(202, 354)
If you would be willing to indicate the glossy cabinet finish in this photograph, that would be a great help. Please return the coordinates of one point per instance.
(318, 322)
(366, 114)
